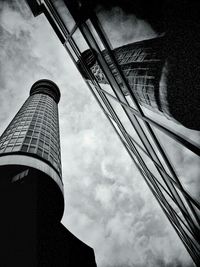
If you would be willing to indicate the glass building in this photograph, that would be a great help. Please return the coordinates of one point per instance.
(32, 138)
(34, 131)
(127, 100)
(31, 197)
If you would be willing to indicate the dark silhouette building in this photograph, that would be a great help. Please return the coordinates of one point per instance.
(31, 197)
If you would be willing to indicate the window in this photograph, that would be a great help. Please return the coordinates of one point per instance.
(27, 140)
(16, 148)
(16, 133)
(41, 143)
(45, 155)
(20, 139)
(23, 133)
(46, 146)
(32, 149)
(2, 149)
(24, 148)
(8, 149)
(34, 141)
(39, 151)
(5, 143)
(42, 136)
(30, 133)
(13, 140)
(51, 159)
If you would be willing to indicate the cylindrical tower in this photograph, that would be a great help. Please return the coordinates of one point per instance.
(31, 189)
(30, 152)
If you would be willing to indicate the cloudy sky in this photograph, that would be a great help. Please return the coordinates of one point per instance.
(108, 205)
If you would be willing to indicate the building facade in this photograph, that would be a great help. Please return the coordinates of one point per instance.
(155, 74)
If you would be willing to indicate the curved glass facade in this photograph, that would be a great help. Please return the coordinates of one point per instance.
(140, 62)
(130, 78)
(35, 130)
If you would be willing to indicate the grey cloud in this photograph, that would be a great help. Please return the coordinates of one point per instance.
(130, 27)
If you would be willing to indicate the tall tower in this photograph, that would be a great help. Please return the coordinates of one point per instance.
(31, 188)
(32, 139)
(30, 167)
(169, 83)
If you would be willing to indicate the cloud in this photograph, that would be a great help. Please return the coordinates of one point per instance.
(130, 27)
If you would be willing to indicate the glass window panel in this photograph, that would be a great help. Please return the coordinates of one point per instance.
(24, 148)
(32, 149)
(46, 146)
(16, 133)
(39, 151)
(125, 121)
(41, 143)
(29, 133)
(27, 140)
(36, 134)
(130, 101)
(8, 149)
(80, 41)
(2, 149)
(99, 98)
(5, 143)
(186, 163)
(119, 132)
(51, 159)
(116, 21)
(22, 132)
(95, 34)
(47, 139)
(172, 125)
(34, 141)
(55, 164)
(45, 155)
(153, 144)
(42, 136)
(12, 140)
(20, 139)
(16, 148)
(152, 167)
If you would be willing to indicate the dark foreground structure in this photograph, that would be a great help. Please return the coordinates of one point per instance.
(31, 188)
(159, 73)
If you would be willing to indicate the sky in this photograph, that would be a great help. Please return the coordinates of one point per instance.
(107, 203)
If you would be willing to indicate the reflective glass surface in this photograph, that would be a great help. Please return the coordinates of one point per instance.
(64, 13)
